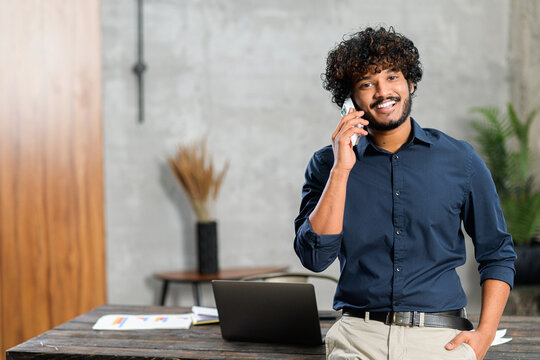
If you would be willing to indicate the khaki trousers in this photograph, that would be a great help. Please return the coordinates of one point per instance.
(356, 338)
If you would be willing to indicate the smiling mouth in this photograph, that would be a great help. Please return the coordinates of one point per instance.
(385, 105)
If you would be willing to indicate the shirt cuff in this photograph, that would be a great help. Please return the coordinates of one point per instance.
(500, 272)
(320, 241)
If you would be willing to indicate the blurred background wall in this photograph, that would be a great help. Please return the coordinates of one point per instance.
(524, 64)
(245, 75)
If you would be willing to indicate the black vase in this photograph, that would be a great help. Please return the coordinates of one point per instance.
(527, 264)
(207, 251)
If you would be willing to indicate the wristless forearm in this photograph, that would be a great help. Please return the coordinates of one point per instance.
(327, 217)
(494, 296)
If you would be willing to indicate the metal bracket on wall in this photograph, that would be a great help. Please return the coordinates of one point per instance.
(140, 66)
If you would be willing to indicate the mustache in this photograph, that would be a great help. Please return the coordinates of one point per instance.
(381, 100)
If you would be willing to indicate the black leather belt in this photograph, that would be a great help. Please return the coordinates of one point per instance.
(455, 319)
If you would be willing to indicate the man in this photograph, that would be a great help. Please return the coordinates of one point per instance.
(391, 208)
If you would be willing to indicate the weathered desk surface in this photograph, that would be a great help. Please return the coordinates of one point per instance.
(76, 340)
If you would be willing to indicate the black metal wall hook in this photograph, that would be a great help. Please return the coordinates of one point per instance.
(140, 67)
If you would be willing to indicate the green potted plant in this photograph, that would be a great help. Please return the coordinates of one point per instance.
(503, 141)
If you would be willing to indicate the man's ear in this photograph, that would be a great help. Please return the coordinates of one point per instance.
(411, 87)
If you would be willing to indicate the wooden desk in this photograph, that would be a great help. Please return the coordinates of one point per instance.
(76, 340)
(194, 278)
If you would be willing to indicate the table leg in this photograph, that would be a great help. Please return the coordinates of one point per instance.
(164, 292)
(196, 293)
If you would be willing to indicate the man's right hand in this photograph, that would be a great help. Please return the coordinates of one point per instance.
(327, 217)
(344, 157)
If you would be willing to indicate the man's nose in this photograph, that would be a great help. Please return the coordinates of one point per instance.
(382, 90)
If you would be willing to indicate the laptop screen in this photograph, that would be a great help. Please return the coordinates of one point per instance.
(267, 311)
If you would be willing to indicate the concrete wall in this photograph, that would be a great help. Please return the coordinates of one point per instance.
(524, 66)
(246, 75)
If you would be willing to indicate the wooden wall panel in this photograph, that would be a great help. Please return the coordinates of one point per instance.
(51, 178)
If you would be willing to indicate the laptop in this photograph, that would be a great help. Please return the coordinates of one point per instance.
(276, 312)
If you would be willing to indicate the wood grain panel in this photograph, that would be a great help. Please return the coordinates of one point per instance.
(51, 178)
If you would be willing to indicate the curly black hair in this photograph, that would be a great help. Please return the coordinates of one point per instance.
(365, 51)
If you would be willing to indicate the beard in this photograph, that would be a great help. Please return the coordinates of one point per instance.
(393, 124)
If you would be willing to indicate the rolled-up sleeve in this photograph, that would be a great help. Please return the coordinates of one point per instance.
(316, 252)
(484, 222)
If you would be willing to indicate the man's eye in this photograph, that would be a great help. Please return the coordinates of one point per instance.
(365, 85)
(393, 77)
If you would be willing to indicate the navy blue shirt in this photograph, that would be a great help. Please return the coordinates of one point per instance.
(402, 240)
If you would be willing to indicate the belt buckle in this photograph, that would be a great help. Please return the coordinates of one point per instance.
(401, 318)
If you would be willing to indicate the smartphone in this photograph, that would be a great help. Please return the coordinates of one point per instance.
(347, 105)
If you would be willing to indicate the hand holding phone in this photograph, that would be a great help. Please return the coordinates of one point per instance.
(344, 138)
(347, 106)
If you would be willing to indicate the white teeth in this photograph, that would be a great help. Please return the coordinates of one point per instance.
(386, 104)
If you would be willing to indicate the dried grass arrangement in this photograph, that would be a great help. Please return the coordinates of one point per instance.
(195, 172)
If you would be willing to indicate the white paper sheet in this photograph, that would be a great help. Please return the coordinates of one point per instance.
(143, 322)
(499, 338)
(204, 315)
(201, 310)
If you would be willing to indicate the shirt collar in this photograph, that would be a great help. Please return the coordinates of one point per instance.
(418, 134)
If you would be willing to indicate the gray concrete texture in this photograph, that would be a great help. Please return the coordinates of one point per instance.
(524, 66)
(245, 75)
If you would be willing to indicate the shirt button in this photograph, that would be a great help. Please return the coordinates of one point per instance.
(398, 269)
(396, 157)
(397, 193)
(398, 232)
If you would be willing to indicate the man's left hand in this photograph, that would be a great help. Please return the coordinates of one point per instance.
(479, 341)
